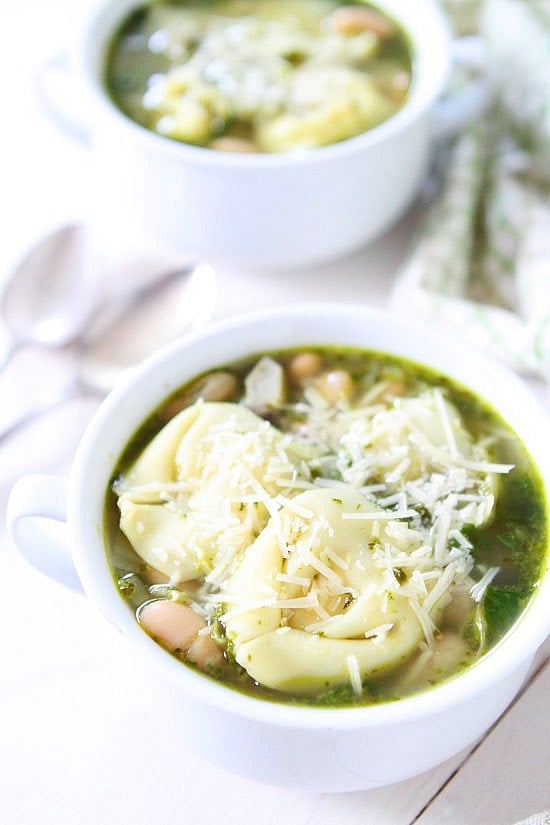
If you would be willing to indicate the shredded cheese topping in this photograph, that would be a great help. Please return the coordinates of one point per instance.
(346, 543)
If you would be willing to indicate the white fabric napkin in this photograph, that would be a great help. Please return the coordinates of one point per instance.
(480, 268)
(542, 818)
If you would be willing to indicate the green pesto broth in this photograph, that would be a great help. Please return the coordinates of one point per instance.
(513, 541)
(258, 75)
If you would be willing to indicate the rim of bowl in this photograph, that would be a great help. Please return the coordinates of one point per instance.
(422, 95)
(517, 646)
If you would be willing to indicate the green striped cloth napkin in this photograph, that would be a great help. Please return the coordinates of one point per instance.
(480, 267)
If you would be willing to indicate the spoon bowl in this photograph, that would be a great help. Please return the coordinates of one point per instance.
(50, 295)
(122, 333)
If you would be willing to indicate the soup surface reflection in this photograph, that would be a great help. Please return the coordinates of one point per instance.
(258, 75)
(326, 526)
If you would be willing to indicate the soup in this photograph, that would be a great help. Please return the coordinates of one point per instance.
(326, 526)
(258, 75)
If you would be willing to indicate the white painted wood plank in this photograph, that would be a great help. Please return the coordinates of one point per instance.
(508, 777)
(78, 745)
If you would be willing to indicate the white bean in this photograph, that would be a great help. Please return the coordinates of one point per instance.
(233, 144)
(204, 652)
(336, 385)
(176, 627)
(219, 386)
(172, 624)
(152, 576)
(458, 609)
(350, 20)
(304, 365)
(450, 651)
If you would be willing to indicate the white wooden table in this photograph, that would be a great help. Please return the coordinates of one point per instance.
(76, 744)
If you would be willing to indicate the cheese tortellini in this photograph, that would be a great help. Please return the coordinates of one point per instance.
(309, 606)
(181, 512)
(305, 603)
(325, 105)
(308, 584)
(296, 541)
(259, 75)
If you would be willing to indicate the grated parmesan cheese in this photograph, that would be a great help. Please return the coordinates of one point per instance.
(478, 589)
(354, 675)
(379, 515)
(407, 480)
(378, 634)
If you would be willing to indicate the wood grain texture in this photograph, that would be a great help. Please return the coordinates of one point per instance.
(507, 778)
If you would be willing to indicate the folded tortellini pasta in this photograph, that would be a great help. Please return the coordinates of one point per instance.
(310, 606)
(316, 586)
(197, 495)
(327, 104)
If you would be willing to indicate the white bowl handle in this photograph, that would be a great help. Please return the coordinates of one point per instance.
(60, 94)
(37, 523)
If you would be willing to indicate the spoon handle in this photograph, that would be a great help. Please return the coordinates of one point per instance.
(8, 346)
(67, 393)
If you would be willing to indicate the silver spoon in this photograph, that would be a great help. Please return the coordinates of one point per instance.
(49, 296)
(121, 335)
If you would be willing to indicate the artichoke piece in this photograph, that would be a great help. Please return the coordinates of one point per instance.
(265, 386)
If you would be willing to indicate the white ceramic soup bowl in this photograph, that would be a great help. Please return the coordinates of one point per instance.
(259, 210)
(321, 749)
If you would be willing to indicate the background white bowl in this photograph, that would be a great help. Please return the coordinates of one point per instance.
(260, 210)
